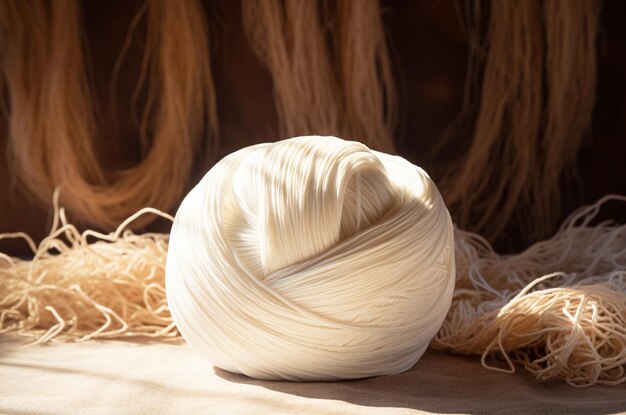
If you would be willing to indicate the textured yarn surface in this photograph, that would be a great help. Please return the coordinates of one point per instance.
(311, 258)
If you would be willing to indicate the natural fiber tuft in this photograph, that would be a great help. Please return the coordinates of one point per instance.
(80, 286)
(558, 308)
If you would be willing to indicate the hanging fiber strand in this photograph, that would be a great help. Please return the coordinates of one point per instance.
(289, 39)
(51, 119)
(535, 105)
(330, 67)
(369, 94)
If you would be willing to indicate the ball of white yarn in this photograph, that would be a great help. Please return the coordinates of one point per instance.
(312, 258)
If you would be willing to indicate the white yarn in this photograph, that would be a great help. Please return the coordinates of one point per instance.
(312, 258)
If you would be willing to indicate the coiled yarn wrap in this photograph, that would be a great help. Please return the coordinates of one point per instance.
(312, 258)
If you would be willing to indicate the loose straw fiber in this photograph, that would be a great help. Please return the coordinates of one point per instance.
(89, 285)
(558, 308)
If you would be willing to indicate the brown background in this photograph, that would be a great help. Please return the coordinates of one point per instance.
(429, 51)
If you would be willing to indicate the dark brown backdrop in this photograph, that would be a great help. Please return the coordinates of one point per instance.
(429, 49)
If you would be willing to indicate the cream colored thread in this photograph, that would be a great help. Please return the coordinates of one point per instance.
(270, 274)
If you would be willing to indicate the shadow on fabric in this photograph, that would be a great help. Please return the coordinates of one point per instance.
(444, 383)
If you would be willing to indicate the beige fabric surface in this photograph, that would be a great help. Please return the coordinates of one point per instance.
(137, 378)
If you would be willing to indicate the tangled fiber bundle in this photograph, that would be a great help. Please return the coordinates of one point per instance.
(558, 308)
(77, 289)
